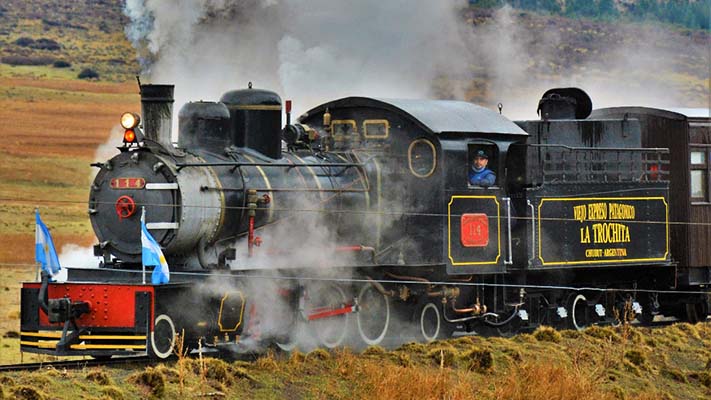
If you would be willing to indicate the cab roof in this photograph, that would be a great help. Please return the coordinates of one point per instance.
(435, 116)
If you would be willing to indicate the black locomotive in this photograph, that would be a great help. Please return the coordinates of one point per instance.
(360, 220)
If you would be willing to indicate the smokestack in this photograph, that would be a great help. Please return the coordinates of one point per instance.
(157, 113)
(564, 103)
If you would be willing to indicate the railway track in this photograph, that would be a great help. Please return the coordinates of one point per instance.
(74, 364)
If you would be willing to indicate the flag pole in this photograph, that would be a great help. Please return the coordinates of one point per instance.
(143, 221)
(38, 275)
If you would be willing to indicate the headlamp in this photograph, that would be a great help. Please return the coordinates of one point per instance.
(130, 120)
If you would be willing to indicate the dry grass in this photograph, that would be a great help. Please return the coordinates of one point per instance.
(52, 131)
(584, 367)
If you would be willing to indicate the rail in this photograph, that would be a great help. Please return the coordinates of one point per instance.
(75, 364)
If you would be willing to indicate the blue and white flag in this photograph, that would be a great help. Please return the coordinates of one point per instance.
(45, 254)
(152, 255)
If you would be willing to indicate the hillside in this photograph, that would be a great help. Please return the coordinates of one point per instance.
(83, 33)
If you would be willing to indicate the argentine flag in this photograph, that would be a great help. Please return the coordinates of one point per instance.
(45, 254)
(151, 254)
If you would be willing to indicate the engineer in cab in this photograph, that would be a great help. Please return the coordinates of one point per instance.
(479, 174)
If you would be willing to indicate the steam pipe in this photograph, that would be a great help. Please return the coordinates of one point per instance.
(455, 320)
(504, 322)
(407, 278)
(358, 248)
(445, 292)
(476, 309)
(379, 287)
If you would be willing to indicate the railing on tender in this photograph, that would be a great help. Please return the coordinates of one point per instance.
(560, 163)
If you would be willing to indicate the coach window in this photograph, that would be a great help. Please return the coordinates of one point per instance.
(699, 175)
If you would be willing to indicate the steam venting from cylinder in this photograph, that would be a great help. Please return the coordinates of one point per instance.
(157, 113)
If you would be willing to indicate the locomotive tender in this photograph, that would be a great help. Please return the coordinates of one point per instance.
(361, 214)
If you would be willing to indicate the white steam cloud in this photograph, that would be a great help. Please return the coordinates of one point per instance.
(310, 51)
(73, 255)
(317, 50)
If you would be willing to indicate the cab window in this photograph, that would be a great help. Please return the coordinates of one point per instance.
(481, 162)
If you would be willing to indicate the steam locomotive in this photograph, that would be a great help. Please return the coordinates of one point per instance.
(358, 224)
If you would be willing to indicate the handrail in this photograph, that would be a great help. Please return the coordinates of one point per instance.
(509, 260)
(533, 231)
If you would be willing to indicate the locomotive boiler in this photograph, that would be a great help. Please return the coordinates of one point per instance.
(226, 177)
(362, 218)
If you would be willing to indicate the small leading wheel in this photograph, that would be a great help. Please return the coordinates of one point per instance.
(373, 317)
(162, 337)
(430, 325)
(579, 318)
(323, 299)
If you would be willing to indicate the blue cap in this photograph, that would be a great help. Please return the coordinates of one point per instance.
(481, 154)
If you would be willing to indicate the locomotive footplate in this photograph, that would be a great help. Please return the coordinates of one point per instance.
(95, 319)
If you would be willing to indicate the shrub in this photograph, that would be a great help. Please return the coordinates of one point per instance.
(479, 360)
(61, 64)
(27, 393)
(113, 393)
(547, 334)
(296, 357)
(444, 356)
(25, 60)
(413, 347)
(705, 379)
(151, 378)
(25, 42)
(604, 333)
(88, 73)
(218, 370)
(373, 351)
(674, 374)
(636, 357)
(402, 359)
(46, 44)
(318, 354)
(100, 377)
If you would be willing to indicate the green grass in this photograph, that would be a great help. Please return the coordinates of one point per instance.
(38, 71)
(580, 366)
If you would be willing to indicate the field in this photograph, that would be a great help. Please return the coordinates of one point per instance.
(599, 363)
(52, 132)
(53, 129)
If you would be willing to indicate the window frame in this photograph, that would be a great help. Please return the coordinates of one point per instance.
(705, 168)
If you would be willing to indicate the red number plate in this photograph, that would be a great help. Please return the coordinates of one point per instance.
(474, 230)
(128, 183)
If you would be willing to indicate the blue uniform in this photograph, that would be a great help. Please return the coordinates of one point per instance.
(484, 177)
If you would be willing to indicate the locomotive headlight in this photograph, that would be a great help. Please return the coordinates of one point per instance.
(130, 120)
(129, 136)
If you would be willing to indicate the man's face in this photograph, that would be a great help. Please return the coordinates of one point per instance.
(480, 162)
